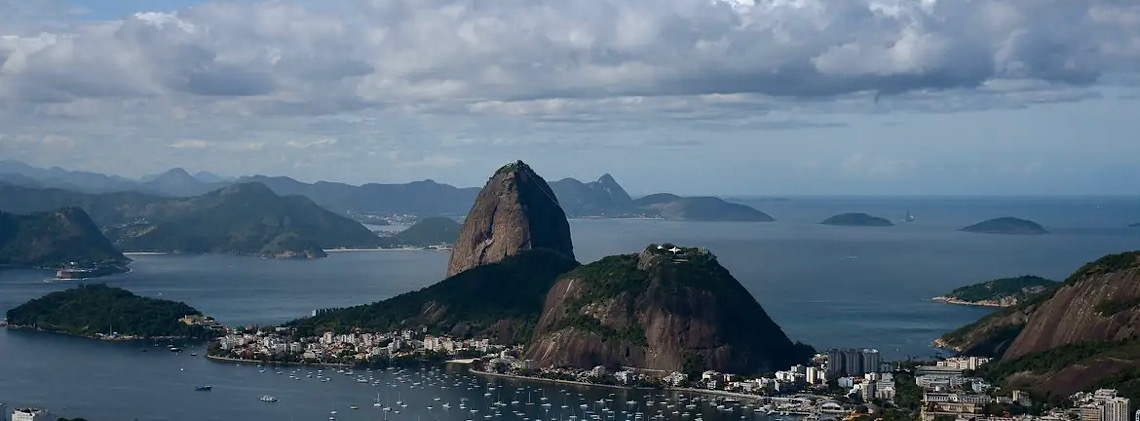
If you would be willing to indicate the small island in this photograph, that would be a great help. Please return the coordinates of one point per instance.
(1005, 292)
(438, 232)
(1136, 225)
(1007, 225)
(109, 313)
(857, 220)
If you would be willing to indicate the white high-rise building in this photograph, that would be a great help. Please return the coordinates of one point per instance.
(1114, 409)
(31, 414)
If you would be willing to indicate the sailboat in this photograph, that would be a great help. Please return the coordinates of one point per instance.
(909, 217)
(378, 404)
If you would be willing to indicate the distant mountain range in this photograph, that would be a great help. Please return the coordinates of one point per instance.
(606, 198)
(241, 218)
(603, 198)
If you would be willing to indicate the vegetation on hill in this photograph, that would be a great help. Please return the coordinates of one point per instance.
(1077, 336)
(55, 239)
(501, 299)
(427, 232)
(90, 310)
(600, 313)
(245, 218)
(857, 220)
(1006, 225)
(702, 208)
(1005, 291)
(105, 209)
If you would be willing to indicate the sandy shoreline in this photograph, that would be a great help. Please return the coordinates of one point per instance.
(954, 301)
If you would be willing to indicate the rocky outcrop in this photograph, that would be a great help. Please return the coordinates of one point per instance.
(602, 198)
(1101, 302)
(1077, 337)
(515, 211)
(667, 309)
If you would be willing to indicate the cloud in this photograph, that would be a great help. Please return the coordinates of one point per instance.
(863, 164)
(390, 52)
(319, 143)
(324, 90)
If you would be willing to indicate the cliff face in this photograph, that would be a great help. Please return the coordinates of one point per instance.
(1077, 337)
(662, 310)
(515, 211)
(54, 239)
(1101, 302)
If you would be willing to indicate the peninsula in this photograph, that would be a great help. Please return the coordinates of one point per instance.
(1007, 225)
(1004, 292)
(513, 280)
(109, 313)
(61, 239)
(428, 232)
(857, 220)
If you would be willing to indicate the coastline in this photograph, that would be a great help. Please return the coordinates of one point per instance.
(546, 380)
(278, 363)
(611, 386)
(955, 301)
(375, 249)
(121, 338)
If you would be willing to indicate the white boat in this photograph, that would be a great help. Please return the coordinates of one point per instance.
(268, 398)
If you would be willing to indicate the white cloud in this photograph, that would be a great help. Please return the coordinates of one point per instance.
(376, 54)
(863, 164)
(445, 84)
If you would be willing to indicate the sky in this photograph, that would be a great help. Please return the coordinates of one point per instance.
(730, 97)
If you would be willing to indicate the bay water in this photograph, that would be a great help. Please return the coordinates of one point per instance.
(826, 286)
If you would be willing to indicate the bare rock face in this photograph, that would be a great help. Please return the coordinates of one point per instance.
(1098, 304)
(515, 211)
(666, 309)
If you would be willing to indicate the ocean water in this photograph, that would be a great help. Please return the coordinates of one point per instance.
(826, 286)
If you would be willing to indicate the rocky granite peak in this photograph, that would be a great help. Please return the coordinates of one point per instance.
(666, 308)
(516, 210)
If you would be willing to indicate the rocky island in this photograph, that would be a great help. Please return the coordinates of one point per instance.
(1007, 225)
(103, 312)
(427, 232)
(1004, 292)
(62, 239)
(667, 308)
(857, 220)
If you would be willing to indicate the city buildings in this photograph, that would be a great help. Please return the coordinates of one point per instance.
(1102, 405)
(31, 414)
(852, 362)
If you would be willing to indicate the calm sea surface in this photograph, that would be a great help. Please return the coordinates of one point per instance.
(826, 286)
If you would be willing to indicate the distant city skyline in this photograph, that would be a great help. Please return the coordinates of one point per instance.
(728, 97)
